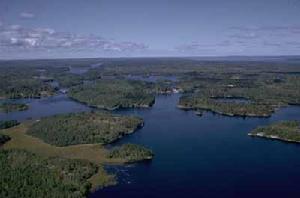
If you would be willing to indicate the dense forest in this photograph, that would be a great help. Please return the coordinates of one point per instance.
(8, 124)
(84, 128)
(114, 94)
(25, 84)
(3, 139)
(283, 130)
(24, 174)
(266, 93)
(131, 153)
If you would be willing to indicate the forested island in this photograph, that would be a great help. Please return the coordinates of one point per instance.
(131, 153)
(114, 94)
(84, 128)
(288, 131)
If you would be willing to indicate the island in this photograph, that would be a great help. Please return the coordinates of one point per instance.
(114, 94)
(10, 107)
(84, 128)
(225, 108)
(288, 131)
(131, 153)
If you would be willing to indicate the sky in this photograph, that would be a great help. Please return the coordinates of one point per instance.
(142, 28)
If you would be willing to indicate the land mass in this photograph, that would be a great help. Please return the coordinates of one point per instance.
(84, 128)
(10, 107)
(131, 153)
(113, 94)
(288, 131)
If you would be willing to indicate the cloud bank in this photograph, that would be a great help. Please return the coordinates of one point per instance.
(16, 38)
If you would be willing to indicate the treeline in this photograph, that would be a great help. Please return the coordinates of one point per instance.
(131, 153)
(24, 174)
(84, 128)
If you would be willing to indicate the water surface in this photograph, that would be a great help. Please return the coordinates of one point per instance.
(208, 156)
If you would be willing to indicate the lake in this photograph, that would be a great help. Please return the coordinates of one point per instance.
(208, 156)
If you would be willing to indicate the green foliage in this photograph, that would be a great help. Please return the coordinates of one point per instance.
(9, 107)
(113, 94)
(84, 128)
(24, 174)
(3, 139)
(265, 91)
(8, 124)
(68, 79)
(284, 130)
(230, 109)
(22, 84)
(131, 153)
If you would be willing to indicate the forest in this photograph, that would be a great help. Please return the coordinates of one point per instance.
(284, 130)
(8, 124)
(84, 128)
(24, 174)
(131, 153)
(114, 94)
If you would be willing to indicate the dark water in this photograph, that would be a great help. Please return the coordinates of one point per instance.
(208, 156)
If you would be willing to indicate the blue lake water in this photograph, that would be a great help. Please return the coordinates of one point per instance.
(44, 107)
(209, 156)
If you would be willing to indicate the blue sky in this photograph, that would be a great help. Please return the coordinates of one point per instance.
(111, 28)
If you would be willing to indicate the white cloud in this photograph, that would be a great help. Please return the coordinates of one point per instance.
(16, 37)
(27, 15)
